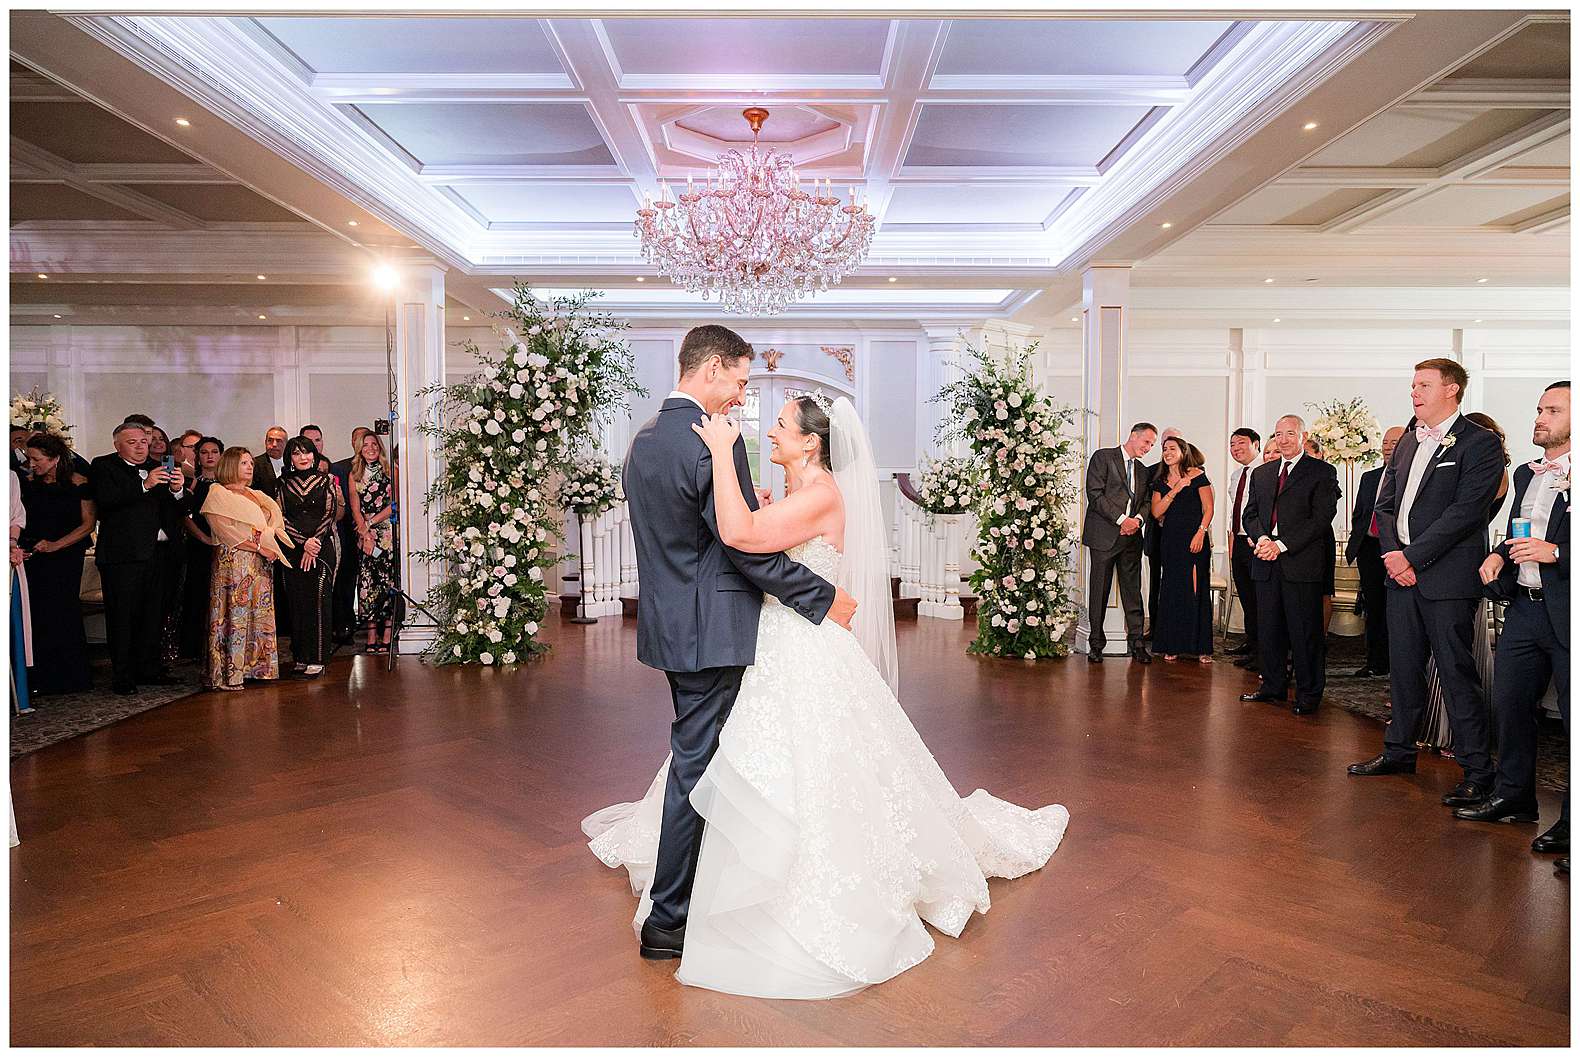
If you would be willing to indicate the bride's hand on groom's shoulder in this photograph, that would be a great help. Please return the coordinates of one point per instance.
(717, 432)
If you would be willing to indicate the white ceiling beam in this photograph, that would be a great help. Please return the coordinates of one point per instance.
(1009, 175)
(42, 162)
(913, 58)
(1519, 94)
(1085, 90)
(583, 175)
(1547, 221)
(1464, 168)
(1358, 176)
(35, 88)
(437, 87)
(584, 52)
(132, 250)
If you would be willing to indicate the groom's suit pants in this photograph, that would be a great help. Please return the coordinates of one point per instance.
(702, 703)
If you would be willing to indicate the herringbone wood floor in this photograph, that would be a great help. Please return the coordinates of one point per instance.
(395, 859)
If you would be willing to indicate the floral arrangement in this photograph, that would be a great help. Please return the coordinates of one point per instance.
(1347, 431)
(1026, 501)
(948, 486)
(41, 413)
(506, 433)
(591, 486)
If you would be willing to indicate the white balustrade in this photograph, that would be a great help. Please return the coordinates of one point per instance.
(610, 562)
(931, 549)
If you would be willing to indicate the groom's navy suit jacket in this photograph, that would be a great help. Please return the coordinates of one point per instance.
(699, 600)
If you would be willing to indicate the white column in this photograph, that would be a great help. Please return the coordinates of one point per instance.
(1105, 296)
(945, 350)
(419, 362)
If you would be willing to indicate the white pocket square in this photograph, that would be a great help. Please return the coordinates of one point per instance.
(1443, 464)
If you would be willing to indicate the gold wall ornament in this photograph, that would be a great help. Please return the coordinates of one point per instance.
(846, 355)
(771, 358)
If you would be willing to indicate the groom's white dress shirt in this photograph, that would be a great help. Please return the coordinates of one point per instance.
(677, 394)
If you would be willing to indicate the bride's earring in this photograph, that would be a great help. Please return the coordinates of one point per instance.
(806, 460)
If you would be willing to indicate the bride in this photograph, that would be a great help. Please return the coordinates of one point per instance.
(831, 834)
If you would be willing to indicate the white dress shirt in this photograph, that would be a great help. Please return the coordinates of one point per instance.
(1234, 486)
(1130, 484)
(1424, 453)
(1285, 471)
(278, 464)
(678, 395)
(1537, 504)
(142, 473)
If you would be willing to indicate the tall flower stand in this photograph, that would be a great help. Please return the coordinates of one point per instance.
(584, 561)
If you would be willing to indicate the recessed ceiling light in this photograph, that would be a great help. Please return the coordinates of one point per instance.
(1309, 125)
(1481, 280)
(183, 122)
(57, 315)
(41, 275)
(1268, 280)
(1075, 319)
(1277, 320)
(894, 278)
(351, 223)
(263, 317)
(641, 278)
(1166, 225)
(466, 319)
(1475, 321)
(262, 277)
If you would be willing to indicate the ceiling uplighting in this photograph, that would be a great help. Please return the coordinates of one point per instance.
(41, 275)
(183, 122)
(57, 315)
(1309, 125)
(261, 278)
(1166, 225)
(894, 278)
(466, 319)
(1277, 320)
(1075, 319)
(751, 233)
(641, 278)
(1475, 321)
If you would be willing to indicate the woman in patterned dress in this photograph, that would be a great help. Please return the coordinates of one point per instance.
(372, 508)
(250, 535)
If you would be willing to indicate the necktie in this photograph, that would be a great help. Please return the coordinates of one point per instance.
(1543, 466)
(1283, 476)
(1426, 433)
(1239, 494)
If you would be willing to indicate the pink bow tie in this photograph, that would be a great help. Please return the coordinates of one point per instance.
(1426, 433)
(1543, 466)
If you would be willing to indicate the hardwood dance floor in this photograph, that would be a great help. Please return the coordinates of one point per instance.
(396, 859)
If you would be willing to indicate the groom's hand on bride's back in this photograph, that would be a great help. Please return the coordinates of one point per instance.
(843, 611)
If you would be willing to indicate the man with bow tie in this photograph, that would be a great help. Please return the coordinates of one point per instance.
(1432, 530)
(1532, 575)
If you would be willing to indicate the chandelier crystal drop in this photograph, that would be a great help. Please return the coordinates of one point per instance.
(751, 235)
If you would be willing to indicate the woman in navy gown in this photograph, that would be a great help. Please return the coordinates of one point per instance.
(1182, 504)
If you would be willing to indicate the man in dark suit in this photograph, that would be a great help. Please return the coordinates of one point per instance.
(700, 601)
(1245, 448)
(1118, 509)
(269, 464)
(1432, 528)
(138, 503)
(345, 600)
(1293, 500)
(1365, 551)
(1532, 575)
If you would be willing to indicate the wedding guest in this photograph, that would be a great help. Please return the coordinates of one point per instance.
(60, 520)
(1243, 444)
(1363, 551)
(1152, 542)
(170, 553)
(139, 419)
(1182, 502)
(1117, 512)
(1290, 511)
(21, 604)
(1432, 528)
(200, 545)
(271, 464)
(1532, 575)
(186, 453)
(158, 444)
(316, 435)
(1330, 586)
(250, 531)
(19, 436)
(350, 552)
(307, 501)
(1436, 731)
(133, 499)
(373, 484)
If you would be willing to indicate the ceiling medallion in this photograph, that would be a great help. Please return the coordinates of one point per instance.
(751, 235)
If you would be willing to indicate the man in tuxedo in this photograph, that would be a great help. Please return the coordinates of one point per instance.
(1365, 551)
(1244, 448)
(138, 502)
(1432, 529)
(1289, 513)
(269, 467)
(700, 602)
(1117, 511)
(1532, 575)
(345, 594)
(316, 435)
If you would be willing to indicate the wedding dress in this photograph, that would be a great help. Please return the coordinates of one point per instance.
(832, 833)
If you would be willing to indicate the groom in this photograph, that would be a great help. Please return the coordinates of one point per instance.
(699, 602)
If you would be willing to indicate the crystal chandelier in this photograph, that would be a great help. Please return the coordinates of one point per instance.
(751, 235)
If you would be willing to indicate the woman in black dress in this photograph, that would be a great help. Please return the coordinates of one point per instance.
(60, 519)
(307, 499)
(1182, 503)
(200, 547)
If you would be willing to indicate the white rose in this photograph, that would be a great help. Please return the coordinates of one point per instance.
(509, 657)
(492, 428)
(486, 657)
(535, 573)
(532, 628)
(460, 627)
(495, 636)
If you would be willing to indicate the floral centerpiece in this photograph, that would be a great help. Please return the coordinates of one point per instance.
(591, 485)
(506, 433)
(947, 486)
(1025, 506)
(41, 413)
(1347, 430)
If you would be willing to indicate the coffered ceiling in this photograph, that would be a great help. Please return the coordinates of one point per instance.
(999, 154)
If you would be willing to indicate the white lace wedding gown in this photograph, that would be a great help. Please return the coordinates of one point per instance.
(831, 833)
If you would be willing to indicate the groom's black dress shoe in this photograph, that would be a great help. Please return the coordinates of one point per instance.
(1466, 794)
(1497, 809)
(1306, 708)
(1095, 656)
(659, 944)
(1265, 696)
(1141, 654)
(1381, 764)
(1555, 841)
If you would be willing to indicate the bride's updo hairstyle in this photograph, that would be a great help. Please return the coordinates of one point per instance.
(814, 420)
